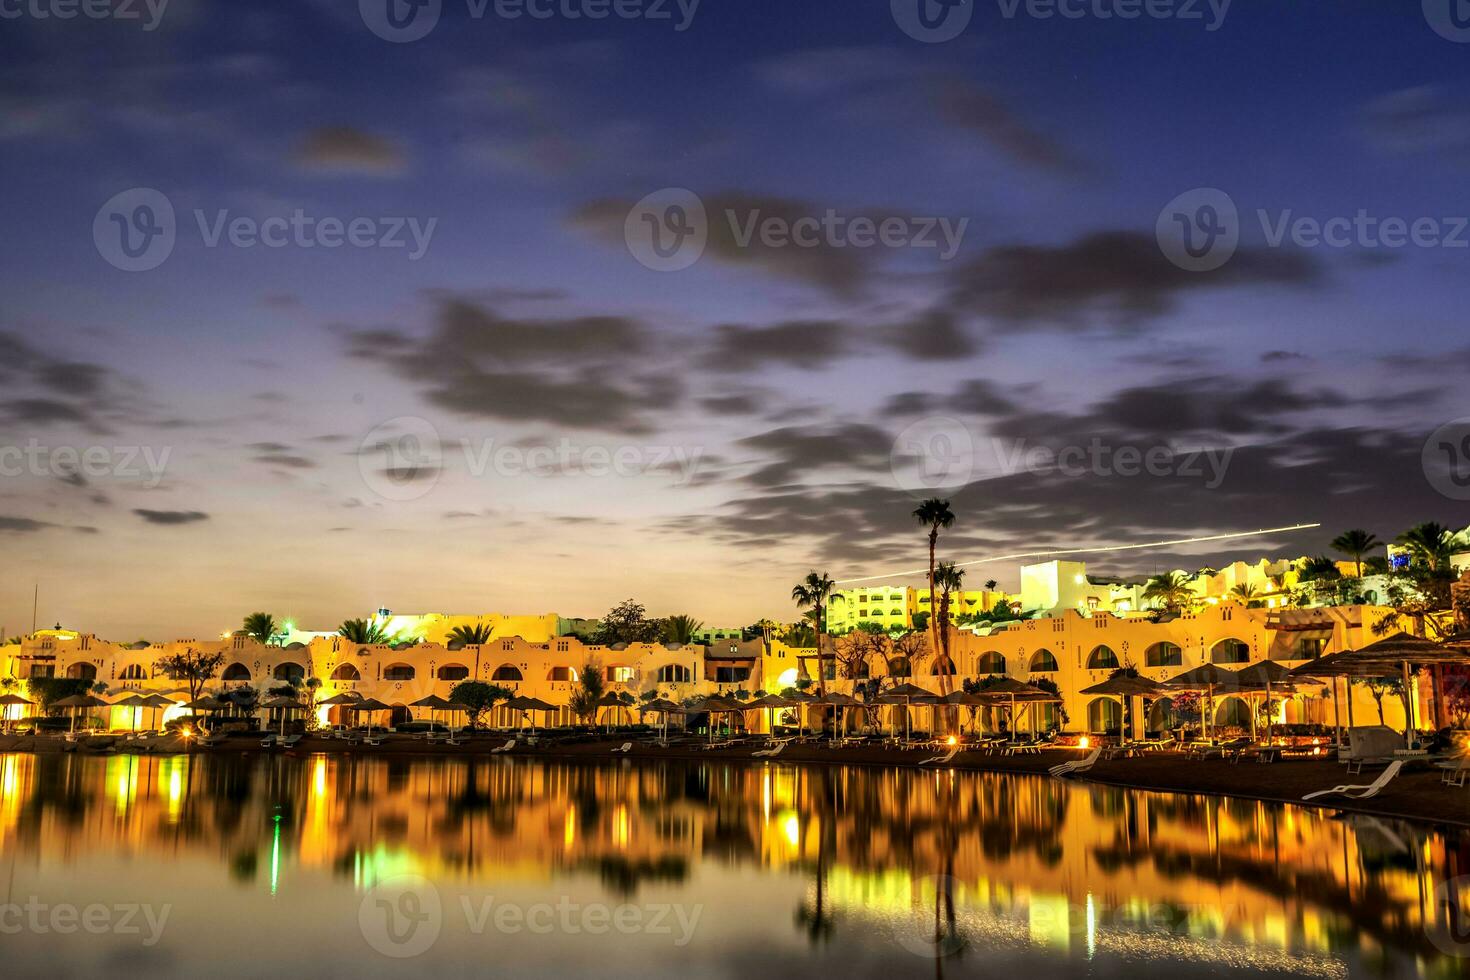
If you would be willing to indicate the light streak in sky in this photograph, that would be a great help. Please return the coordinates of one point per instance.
(1105, 549)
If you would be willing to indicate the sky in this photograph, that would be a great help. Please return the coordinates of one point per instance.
(1098, 313)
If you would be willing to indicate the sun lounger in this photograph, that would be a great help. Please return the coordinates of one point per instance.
(1077, 765)
(504, 748)
(1362, 792)
(288, 741)
(1455, 771)
(625, 748)
(268, 742)
(940, 760)
(771, 752)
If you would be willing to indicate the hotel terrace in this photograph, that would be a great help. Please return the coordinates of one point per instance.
(1070, 648)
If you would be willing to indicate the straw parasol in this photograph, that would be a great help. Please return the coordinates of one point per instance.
(664, 707)
(283, 704)
(611, 700)
(435, 704)
(1266, 675)
(718, 704)
(838, 701)
(1014, 691)
(524, 704)
(770, 703)
(132, 701)
(10, 701)
(368, 704)
(80, 701)
(907, 694)
(1206, 678)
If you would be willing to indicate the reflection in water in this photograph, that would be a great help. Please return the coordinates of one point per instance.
(968, 871)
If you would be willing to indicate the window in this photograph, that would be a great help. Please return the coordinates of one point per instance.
(1310, 647)
(1102, 658)
(132, 672)
(41, 671)
(991, 663)
(289, 672)
(453, 672)
(732, 675)
(1043, 662)
(398, 672)
(82, 671)
(621, 675)
(1164, 655)
(674, 674)
(558, 674)
(1230, 651)
(346, 672)
(236, 672)
(507, 672)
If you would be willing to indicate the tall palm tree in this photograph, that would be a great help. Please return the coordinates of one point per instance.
(260, 625)
(1429, 543)
(1245, 592)
(471, 636)
(949, 579)
(813, 592)
(990, 584)
(933, 514)
(363, 631)
(1171, 590)
(1355, 544)
(681, 629)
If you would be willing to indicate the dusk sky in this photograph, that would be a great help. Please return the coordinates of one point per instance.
(318, 431)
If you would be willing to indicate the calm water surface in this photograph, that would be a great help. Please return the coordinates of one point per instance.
(353, 867)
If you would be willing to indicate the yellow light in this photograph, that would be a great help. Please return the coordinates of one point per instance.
(1084, 742)
(953, 741)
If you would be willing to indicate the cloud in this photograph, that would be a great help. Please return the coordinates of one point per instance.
(975, 396)
(1120, 277)
(1425, 119)
(806, 344)
(280, 454)
(730, 404)
(345, 149)
(974, 110)
(933, 336)
(22, 525)
(171, 517)
(791, 453)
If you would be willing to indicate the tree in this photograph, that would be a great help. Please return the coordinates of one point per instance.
(949, 579)
(1355, 544)
(584, 702)
(1319, 569)
(680, 629)
(1170, 590)
(933, 514)
(990, 584)
(627, 623)
(1245, 592)
(1429, 544)
(192, 667)
(921, 622)
(364, 632)
(813, 592)
(478, 698)
(260, 625)
(1380, 687)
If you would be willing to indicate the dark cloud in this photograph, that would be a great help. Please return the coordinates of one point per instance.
(1118, 277)
(977, 111)
(936, 335)
(807, 344)
(975, 396)
(1426, 119)
(1278, 356)
(345, 149)
(730, 404)
(171, 517)
(280, 454)
(22, 525)
(791, 453)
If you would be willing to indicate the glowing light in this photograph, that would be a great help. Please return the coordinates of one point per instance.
(569, 830)
(1084, 742)
(792, 829)
(952, 740)
(1107, 549)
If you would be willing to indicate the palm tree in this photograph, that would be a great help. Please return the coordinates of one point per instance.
(990, 584)
(1245, 593)
(681, 629)
(470, 636)
(1355, 544)
(363, 631)
(933, 514)
(1171, 590)
(1429, 543)
(813, 592)
(950, 579)
(260, 625)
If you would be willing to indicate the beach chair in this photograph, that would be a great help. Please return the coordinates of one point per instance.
(940, 760)
(1362, 792)
(1077, 765)
(268, 742)
(288, 741)
(772, 752)
(1454, 771)
(504, 748)
(625, 748)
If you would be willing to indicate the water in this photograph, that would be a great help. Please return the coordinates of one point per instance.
(375, 867)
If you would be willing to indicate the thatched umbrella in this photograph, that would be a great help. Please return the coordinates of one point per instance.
(132, 701)
(908, 695)
(838, 701)
(770, 703)
(611, 700)
(716, 704)
(80, 701)
(526, 704)
(1126, 688)
(664, 707)
(10, 701)
(1264, 676)
(159, 702)
(283, 704)
(369, 704)
(1206, 678)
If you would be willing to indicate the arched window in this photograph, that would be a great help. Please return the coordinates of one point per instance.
(562, 674)
(346, 672)
(991, 663)
(1164, 655)
(942, 667)
(505, 672)
(1102, 658)
(133, 672)
(1230, 651)
(236, 672)
(1104, 715)
(453, 672)
(1233, 713)
(1043, 662)
(900, 667)
(82, 671)
(398, 672)
(289, 672)
(674, 674)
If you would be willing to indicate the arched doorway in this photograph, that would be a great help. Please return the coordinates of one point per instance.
(1105, 715)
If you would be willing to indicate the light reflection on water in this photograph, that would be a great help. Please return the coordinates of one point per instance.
(268, 864)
